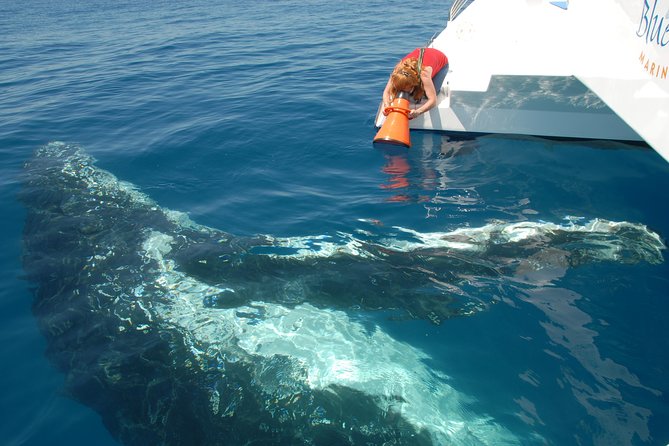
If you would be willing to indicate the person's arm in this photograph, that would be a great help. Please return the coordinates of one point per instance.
(430, 93)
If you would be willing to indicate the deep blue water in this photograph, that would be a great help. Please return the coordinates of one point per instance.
(256, 117)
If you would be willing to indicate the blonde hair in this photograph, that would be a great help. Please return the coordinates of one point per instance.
(406, 77)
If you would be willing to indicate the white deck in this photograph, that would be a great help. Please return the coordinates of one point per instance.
(531, 67)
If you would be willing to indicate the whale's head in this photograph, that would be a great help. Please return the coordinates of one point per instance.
(180, 333)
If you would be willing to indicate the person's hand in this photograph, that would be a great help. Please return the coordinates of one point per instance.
(414, 113)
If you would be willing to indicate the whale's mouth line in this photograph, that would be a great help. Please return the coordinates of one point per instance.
(265, 333)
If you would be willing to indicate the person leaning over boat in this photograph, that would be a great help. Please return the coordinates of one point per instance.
(405, 77)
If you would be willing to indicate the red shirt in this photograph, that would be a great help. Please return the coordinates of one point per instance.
(431, 58)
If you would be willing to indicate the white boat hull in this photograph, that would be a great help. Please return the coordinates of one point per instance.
(582, 69)
(527, 105)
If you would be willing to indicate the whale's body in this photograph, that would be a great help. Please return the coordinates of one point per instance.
(182, 334)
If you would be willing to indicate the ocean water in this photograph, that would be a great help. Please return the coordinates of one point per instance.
(257, 118)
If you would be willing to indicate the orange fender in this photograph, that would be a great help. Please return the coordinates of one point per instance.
(395, 129)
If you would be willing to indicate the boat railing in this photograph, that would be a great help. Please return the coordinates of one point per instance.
(457, 7)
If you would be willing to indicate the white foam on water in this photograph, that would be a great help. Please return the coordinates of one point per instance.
(476, 239)
(323, 246)
(609, 240)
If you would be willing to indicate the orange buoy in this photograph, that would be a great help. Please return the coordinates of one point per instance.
(395, 129)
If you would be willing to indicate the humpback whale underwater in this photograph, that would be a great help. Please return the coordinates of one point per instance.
(176, 333)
